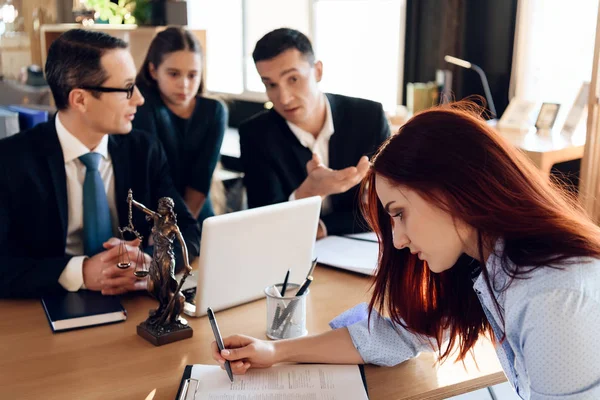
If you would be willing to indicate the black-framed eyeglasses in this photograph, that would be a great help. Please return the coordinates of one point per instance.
(129, 90)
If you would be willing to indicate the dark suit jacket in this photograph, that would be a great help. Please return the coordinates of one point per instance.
(274, 160)
(193, 152)
(33, 203)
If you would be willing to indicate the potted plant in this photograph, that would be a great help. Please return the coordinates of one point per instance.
(142, 12)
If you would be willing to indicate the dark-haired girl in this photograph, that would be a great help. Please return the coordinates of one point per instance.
(190, 126)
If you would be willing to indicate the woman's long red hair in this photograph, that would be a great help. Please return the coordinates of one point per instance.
(452, 158)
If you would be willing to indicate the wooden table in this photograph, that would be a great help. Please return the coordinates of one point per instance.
(112, 362)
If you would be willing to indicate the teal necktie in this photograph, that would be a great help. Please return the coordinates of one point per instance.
(96, 214)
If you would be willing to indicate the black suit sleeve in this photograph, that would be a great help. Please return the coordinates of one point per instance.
(343, 222)
(163, 186)
(22, 275)
(206, 161)
(262, 183)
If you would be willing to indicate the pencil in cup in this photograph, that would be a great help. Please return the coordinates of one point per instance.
(289, 309)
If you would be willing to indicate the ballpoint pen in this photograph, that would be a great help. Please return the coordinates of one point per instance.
(304, 286)
(312, 267)
(219, 340)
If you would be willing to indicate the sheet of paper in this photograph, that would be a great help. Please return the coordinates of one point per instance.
(281, 382)
(351, 254)
(369, 236)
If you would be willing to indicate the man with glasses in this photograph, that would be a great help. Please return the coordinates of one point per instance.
(64, 183)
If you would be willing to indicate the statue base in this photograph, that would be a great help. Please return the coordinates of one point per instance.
(159, 335)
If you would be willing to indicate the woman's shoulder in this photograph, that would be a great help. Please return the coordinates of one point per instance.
(553, 304)
(571, 272)
(577, 274)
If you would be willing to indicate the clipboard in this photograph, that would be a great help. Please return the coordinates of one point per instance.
(187, 386)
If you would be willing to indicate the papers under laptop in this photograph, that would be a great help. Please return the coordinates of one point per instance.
(356, 252)
(242, 253)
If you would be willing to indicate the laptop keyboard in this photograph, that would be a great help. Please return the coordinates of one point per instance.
(190, 295)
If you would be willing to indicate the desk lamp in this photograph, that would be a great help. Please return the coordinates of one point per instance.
(484, 81)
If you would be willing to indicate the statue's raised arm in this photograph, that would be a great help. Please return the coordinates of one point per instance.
(139, 205)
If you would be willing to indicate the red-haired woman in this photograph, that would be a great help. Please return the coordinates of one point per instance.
(473, 241)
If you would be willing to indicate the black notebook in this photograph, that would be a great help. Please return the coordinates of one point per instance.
(71, 310)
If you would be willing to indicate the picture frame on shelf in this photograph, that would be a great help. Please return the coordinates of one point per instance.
(547, 116)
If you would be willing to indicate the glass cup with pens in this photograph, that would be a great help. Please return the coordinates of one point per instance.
(286, 308)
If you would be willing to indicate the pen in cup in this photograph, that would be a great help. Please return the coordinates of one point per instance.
(218, 339)
(285, 282)
(292, 306)
(312, 267)
(283, 288)
(304, 286)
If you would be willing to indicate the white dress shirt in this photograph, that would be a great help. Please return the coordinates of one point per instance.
(318, 145)
(72, 276)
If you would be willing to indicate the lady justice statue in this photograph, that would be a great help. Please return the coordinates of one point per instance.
(164, 325)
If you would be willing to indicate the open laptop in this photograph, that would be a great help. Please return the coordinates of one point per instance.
(242, 253)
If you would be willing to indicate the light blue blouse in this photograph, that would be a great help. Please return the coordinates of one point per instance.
(552, 320)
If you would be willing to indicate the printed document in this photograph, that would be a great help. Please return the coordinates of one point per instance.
(281, 382)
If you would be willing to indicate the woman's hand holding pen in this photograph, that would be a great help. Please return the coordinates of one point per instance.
(244, 352)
